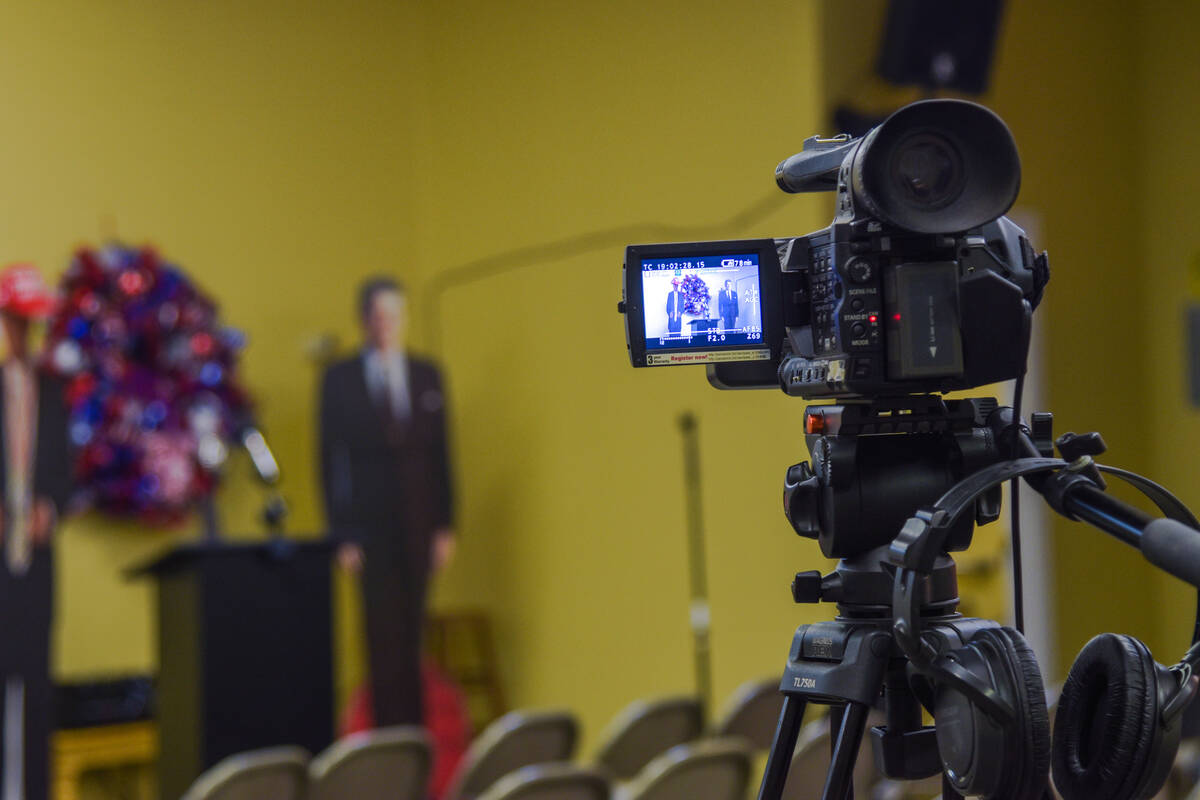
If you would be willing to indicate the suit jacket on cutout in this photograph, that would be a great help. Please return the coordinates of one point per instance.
(386, 482)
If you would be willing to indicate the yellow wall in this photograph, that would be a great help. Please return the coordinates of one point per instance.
(1104, 98)
(1065, 82)
(1167, 186)
(1067, 79)
(281, 151)
(271, 148)
(557, 121)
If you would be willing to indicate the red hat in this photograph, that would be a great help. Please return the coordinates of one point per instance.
(23, 292)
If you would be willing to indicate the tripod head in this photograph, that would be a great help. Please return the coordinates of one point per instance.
(875, 462)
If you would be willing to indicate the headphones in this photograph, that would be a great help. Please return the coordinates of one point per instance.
(1119, 716)
(1118, 723)
(985, 754)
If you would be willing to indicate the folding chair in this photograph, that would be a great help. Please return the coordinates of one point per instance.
(551, 782)
(810, 764)
(752, 712)
(518, 739)
(648, 728)
(711, 769)
(280, 773)
(386, 762)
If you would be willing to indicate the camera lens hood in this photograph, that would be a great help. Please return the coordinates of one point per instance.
(937, 166)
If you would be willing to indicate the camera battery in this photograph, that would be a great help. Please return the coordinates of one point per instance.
(921, 313)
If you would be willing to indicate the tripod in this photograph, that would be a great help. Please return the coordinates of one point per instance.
(872, 465)
(853, 664)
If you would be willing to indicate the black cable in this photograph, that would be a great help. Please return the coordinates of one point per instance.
(1015, 484)
(591, 241)
(1015, 506)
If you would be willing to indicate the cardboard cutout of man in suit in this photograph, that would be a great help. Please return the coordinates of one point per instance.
(386, 477)
(727, 306)
(674, 308)
(35, 476)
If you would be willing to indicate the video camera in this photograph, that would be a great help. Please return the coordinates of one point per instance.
(920, 284)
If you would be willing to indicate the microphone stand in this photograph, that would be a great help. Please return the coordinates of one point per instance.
(697, 569)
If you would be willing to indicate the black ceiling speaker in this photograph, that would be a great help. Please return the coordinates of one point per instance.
(940, 44)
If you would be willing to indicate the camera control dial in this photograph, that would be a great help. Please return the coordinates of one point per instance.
(860, 270)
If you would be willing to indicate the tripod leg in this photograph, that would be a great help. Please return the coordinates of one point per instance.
(780, 757)
(836, 715)
(845, 752)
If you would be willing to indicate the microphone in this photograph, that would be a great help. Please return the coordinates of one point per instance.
(1173, 547)
(815, 168)
(260, 455)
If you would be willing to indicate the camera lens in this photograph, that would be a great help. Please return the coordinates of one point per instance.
(927, 170)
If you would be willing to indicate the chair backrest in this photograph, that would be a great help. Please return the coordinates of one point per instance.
(280, 773)
(551, 782)
(386, 762)
(518, 739)
(646, 729)
(752, 713)
(810, 764)
(712, 769)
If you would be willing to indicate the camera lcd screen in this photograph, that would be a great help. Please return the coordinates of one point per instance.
(701, 302)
